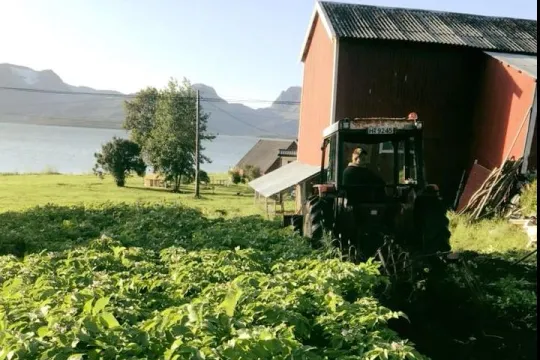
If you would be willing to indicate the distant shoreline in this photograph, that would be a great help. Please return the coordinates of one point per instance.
(107, 126)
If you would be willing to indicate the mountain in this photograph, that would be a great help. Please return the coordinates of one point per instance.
(87, 107)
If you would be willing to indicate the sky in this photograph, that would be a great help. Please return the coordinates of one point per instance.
(245, 49)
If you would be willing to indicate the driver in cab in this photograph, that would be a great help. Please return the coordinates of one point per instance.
(356, 174)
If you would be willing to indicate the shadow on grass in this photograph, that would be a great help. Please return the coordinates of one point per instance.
(153, 189)
(481, 307)
(218, 191)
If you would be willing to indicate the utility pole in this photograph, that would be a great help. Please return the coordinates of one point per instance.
(197, 148)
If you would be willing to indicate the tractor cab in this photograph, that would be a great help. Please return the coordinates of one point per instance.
(390, 150)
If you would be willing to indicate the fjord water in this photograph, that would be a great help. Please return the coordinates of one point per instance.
(33, 148)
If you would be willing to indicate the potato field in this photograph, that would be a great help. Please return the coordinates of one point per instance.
(163, 282)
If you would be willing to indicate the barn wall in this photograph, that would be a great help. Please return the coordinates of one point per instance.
(440, 83)
(317, 93)
(529, 163)
(533, 165)
(504, 102)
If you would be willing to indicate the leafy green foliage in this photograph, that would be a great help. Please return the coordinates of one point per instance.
(236, 176)
(528, 200)
(163, 282)
(163, 123)
(170, 144)
(251, 172)
(204, 178)
(119, 157)
(244, 174)
(140, 114)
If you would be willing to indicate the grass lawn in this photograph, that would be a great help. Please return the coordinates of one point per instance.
(19, 192)
(487, 237)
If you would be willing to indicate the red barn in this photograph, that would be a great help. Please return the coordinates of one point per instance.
(364, 61)
(470, 78)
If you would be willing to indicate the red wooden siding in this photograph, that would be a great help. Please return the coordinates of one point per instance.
(504, 102)
(317, 93)
(439, 83)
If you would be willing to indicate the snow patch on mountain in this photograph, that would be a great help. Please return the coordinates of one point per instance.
(29, 76)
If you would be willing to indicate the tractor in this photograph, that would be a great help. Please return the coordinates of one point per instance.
(404, 210)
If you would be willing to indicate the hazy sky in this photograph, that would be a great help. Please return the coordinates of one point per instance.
(243, 48)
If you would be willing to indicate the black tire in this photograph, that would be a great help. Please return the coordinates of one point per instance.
(314, 219)
(297, 223)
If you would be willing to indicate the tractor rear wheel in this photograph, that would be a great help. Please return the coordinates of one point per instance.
(297, 224)
(313, 219)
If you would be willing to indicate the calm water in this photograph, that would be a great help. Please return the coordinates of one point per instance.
(32, 148)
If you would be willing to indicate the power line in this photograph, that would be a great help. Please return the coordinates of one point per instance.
(246, 123)
(131, 96)
(110, 121)
(211, 101)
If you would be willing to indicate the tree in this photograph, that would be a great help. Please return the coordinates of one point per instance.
(251, 172)
(170, 144)
(140, 115)
(119, 157)
(236, 176)
(203, 178)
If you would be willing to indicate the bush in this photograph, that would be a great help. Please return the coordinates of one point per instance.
(119, 157)
(190, 179)
(236, 176)
(251, 172)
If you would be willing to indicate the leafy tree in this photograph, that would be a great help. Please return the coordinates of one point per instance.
(251, 172)
(236, 176)
(119, 157)
(140, 114)
(170, 144)
(203, 177)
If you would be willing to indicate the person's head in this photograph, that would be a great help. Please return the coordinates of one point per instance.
(357, 155)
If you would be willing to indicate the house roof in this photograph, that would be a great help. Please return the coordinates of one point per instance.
(523, 63)
(283, 178)
(264, 153)
(357, 21)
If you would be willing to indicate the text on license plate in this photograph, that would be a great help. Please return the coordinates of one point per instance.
(380, 130)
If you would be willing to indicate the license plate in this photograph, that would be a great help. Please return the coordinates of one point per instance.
(380, 130)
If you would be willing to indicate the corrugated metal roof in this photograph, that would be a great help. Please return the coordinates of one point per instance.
(283, 178)
(482, 32)
(264, 153)
(524, 63)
